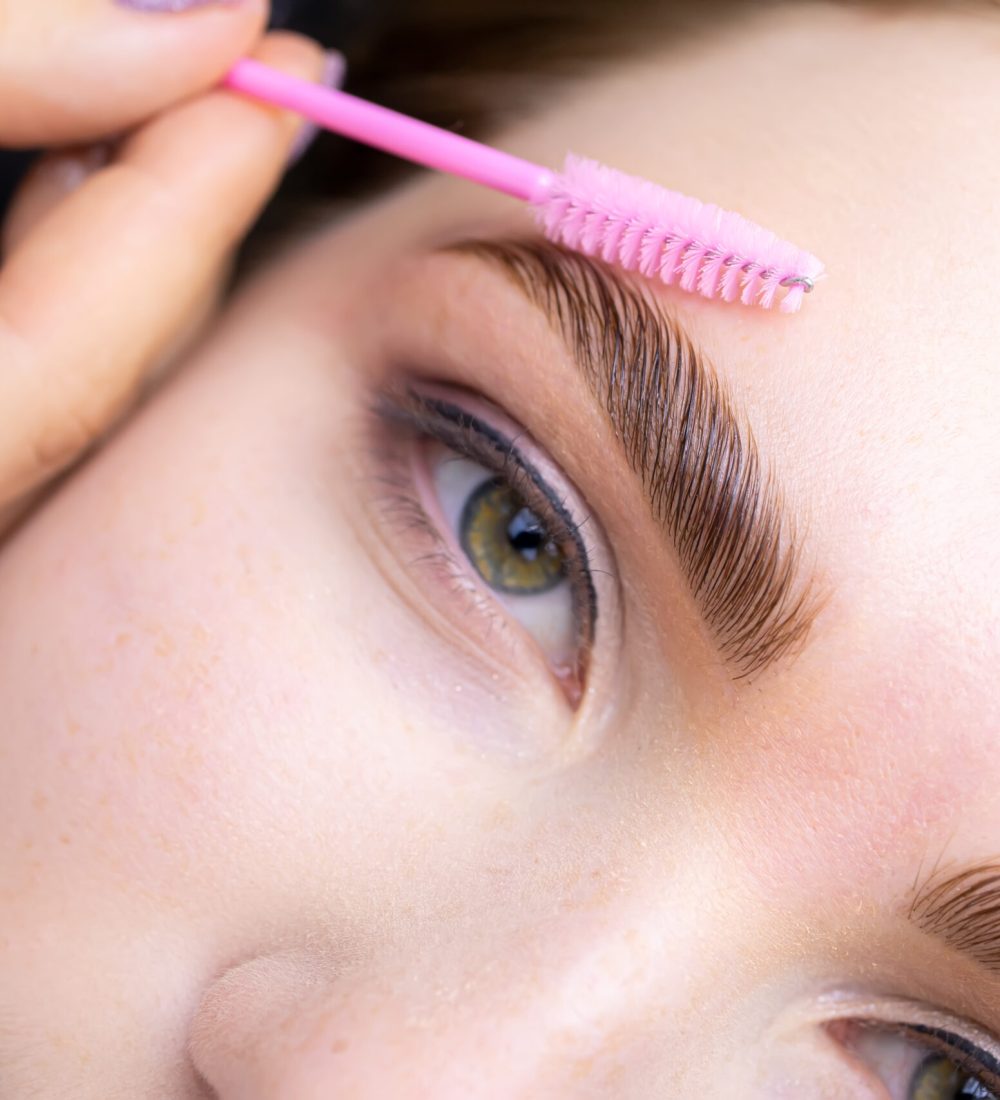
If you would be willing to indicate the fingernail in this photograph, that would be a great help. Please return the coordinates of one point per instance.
(334, 71)
(174, 5)
(71, 170)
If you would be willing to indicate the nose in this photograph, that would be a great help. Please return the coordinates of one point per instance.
(510, 1025)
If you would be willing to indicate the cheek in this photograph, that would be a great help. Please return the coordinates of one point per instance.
(169, 705)
(212, 690)
(862, 776)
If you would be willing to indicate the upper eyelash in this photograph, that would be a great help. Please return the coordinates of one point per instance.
(433, 417)
(966, 1055)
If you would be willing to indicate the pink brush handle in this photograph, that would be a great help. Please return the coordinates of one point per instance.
(395, 133)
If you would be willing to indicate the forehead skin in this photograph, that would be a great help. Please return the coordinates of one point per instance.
(269, 727)
(864, 138)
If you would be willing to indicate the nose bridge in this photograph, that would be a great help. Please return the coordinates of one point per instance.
(520, 1012)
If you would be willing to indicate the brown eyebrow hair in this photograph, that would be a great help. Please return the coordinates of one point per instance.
(963, 909)
(693, 452)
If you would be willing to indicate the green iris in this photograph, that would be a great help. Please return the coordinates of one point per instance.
(507, 542)
(940, 1079)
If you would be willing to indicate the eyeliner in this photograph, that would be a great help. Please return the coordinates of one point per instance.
(985, 1061)
(415, 408)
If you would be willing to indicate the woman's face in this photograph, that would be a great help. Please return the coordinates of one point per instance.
(414, 701)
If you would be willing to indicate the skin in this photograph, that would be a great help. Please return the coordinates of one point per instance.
(280, 820)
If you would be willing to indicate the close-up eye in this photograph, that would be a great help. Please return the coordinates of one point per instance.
(496, 520)
(916, 1062)
(515, 552)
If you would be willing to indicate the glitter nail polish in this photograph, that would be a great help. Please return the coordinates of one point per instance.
(159, 6)
(334, 70)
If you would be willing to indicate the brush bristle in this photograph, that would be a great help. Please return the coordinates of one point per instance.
(663, 234)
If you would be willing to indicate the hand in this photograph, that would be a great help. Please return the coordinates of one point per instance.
(107, 256)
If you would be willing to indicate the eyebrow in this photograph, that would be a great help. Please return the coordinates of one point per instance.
(962, 908)
(692, 450)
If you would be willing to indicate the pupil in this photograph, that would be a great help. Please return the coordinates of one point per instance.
(507, 543)
(526, 534)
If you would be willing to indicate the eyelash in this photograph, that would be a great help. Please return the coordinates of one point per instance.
(969, 1058)
(425, 418)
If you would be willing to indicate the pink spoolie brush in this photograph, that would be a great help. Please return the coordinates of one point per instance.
(588, 207)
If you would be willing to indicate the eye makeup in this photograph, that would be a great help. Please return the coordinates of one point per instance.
(917, 1062)
(917, 1052)
(969, 1057)
(545, 535)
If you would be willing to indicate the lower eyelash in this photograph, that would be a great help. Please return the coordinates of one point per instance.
(397, 504)
(457, 430)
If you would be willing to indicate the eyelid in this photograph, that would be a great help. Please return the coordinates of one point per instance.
(925, 1044)
(958, 1047)
(433, 409)
(921, 1022)
(475, 429)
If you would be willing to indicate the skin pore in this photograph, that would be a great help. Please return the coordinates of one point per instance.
(294, 806)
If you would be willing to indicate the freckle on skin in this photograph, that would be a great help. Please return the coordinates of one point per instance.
(501, 815)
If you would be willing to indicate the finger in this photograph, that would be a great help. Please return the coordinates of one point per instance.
(93, 296)
(57, 175)
(52, 179)
(77, 70)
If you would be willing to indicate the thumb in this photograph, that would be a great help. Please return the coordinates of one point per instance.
(76, 70)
